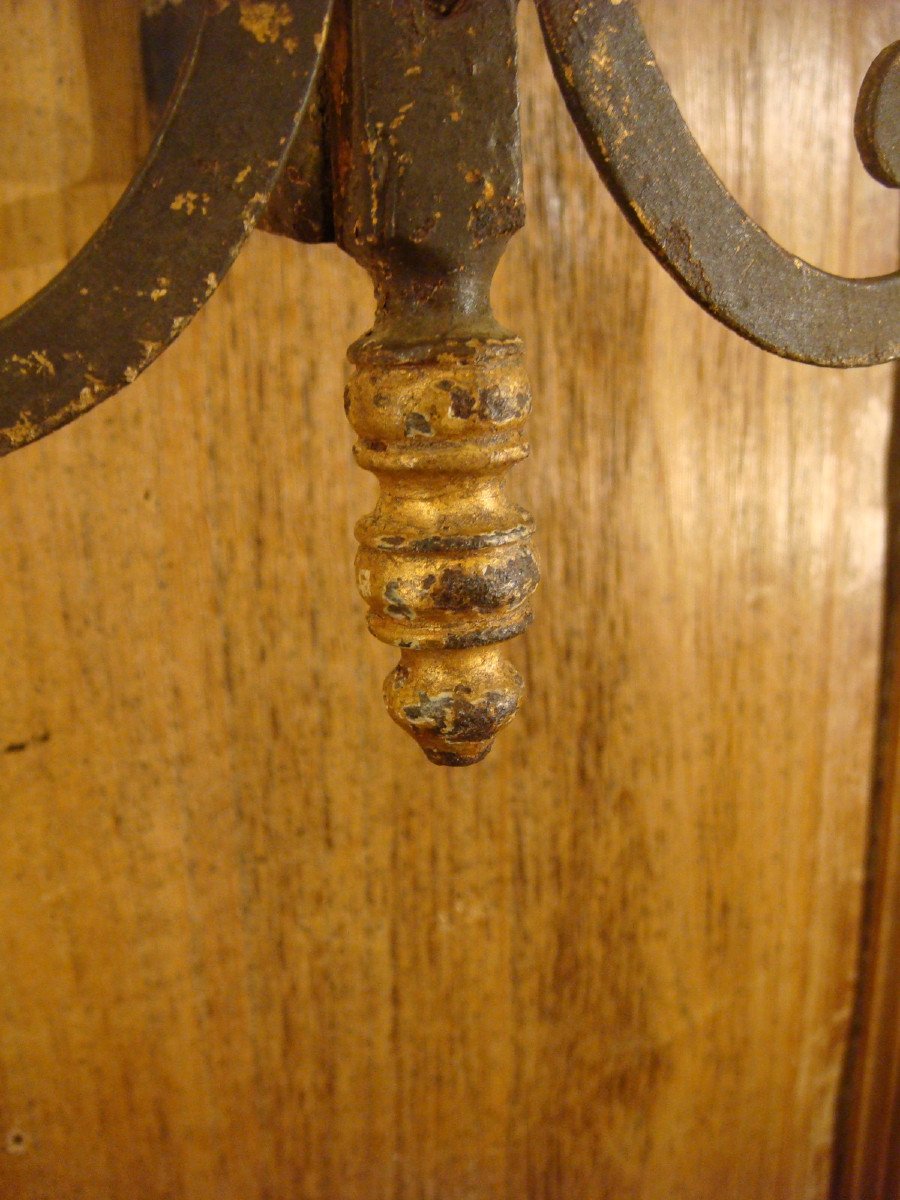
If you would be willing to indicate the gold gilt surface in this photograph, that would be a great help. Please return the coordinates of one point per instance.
(251, 944)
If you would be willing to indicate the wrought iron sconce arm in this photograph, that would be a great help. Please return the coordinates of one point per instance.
(169, 241)
(638, 140)
(395, 133)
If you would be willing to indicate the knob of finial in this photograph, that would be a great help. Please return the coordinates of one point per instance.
(453, 702)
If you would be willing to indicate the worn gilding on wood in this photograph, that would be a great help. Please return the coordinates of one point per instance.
(445, 561)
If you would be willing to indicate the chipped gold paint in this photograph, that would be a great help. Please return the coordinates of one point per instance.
(28, 430)
(36, 361)
(266, 21)
(24, 431)
(191, 202)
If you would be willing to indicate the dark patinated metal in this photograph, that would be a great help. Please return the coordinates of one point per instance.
(405, 150)
(877, 121)
(166, 245)
(637, 138)
(300, 203)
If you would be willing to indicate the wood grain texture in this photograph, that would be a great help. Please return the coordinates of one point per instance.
(252, 947)
(867, 1134)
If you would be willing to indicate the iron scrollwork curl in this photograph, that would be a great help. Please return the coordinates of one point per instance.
(639, 142)
(165, 247)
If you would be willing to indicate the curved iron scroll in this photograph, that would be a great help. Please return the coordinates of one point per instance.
(639, 142)
(176, 231)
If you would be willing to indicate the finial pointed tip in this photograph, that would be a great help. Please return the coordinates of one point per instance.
(453, 702)
(454, 758)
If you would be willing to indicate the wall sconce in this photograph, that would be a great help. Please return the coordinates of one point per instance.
(394, 132)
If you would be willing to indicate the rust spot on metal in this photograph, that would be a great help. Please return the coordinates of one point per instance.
(678, 239)
(496, 218)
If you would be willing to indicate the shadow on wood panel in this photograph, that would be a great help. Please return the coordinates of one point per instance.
(867, 1127)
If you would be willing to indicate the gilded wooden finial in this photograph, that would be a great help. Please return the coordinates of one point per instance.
(445, 561)
(429, 193)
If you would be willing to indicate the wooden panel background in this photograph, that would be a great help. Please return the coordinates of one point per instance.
(867, 1134)
(251, 945)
